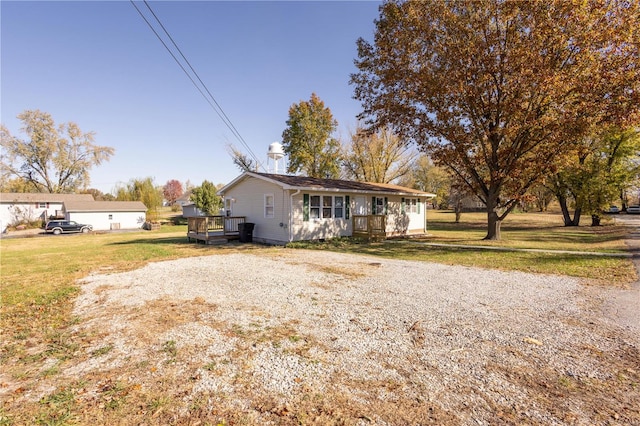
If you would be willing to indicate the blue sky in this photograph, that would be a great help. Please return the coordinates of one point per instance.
(99, 65)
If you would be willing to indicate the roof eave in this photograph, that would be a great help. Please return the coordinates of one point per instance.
(285, 186)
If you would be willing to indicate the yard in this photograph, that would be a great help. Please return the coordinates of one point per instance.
(371, 334)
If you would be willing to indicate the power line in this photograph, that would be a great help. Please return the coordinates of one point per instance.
(211, 100)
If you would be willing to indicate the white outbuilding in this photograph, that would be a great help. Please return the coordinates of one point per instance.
(107, 215)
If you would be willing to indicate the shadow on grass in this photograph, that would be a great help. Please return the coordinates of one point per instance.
(551, 234)
(159, 241)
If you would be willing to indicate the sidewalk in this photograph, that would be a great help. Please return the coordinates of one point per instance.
(632, 254)
(624, 306)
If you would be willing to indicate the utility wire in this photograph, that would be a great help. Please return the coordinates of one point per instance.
(226, 119)
(215, 105)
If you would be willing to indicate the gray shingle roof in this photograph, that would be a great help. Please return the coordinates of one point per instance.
(104, 206)
(309, 183)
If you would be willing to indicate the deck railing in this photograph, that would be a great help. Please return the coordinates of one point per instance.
(370, 227)
(222, 225)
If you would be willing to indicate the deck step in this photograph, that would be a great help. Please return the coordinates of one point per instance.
(212, 241)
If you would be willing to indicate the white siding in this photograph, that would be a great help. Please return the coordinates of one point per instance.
(315, 229)
(399, 222)
(101, 222)
(248, 196)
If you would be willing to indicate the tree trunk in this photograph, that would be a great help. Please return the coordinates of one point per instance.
(566, 216)
(458, 211)
(576, 217)
(493, 226)
(595, 220)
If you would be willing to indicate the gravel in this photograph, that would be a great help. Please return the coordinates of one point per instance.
(476, 344)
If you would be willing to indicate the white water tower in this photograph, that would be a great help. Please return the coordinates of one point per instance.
(276, 153)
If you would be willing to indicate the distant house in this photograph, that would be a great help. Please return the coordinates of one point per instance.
(26, 207)
(184, 199)
(106, 215)
(190, 210)
(294, 208)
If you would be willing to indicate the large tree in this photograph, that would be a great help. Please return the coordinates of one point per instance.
(55, 159)
(307, 140)
(380, 157)
(598, 172)
(143, 190)
(206, 198)
(497, 90)
(426, 176)
(172, 190)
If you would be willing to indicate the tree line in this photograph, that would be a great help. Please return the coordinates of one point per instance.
(509, 102)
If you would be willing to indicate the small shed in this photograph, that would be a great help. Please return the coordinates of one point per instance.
(295, 208)
(190, 210)
(107, 215)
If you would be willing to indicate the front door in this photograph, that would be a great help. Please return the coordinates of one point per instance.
(361, 206)
(228, 206)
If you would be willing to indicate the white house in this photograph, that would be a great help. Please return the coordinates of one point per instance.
(190, 210)
(16, 208)
(294, 208)
(107, 215)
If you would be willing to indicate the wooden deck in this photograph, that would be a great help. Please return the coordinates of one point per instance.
(214, 229)
(369, 227)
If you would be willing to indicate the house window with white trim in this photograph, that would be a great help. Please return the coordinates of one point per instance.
(268, 205)
(379, 205)
(110, 217)
(338, 210)
(314, 206)
(42, 205)
(412, 204)
(327, 207)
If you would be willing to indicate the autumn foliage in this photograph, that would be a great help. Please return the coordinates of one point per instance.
(499, 91)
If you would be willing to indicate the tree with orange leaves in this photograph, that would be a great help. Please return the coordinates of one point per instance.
(499, 91)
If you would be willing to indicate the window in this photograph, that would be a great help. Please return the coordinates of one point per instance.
(42, 205)
(410, 205)
(110, 217)
(379, 205)
(314, 206)
(327, 207)
(268, 205)
(338, 207)
(324, 207)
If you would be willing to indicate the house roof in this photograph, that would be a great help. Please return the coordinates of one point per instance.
(104, 206)
(305, 183)
(42, 197)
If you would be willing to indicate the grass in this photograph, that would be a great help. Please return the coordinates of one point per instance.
(40, 281)
(527, 230)
(541, 231)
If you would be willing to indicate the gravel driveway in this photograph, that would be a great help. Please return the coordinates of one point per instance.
(276, 335)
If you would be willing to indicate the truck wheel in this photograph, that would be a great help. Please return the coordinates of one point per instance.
(85, 230)
(57, 232)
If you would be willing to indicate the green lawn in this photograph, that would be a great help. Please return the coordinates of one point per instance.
(527, 230)
(542, 231)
